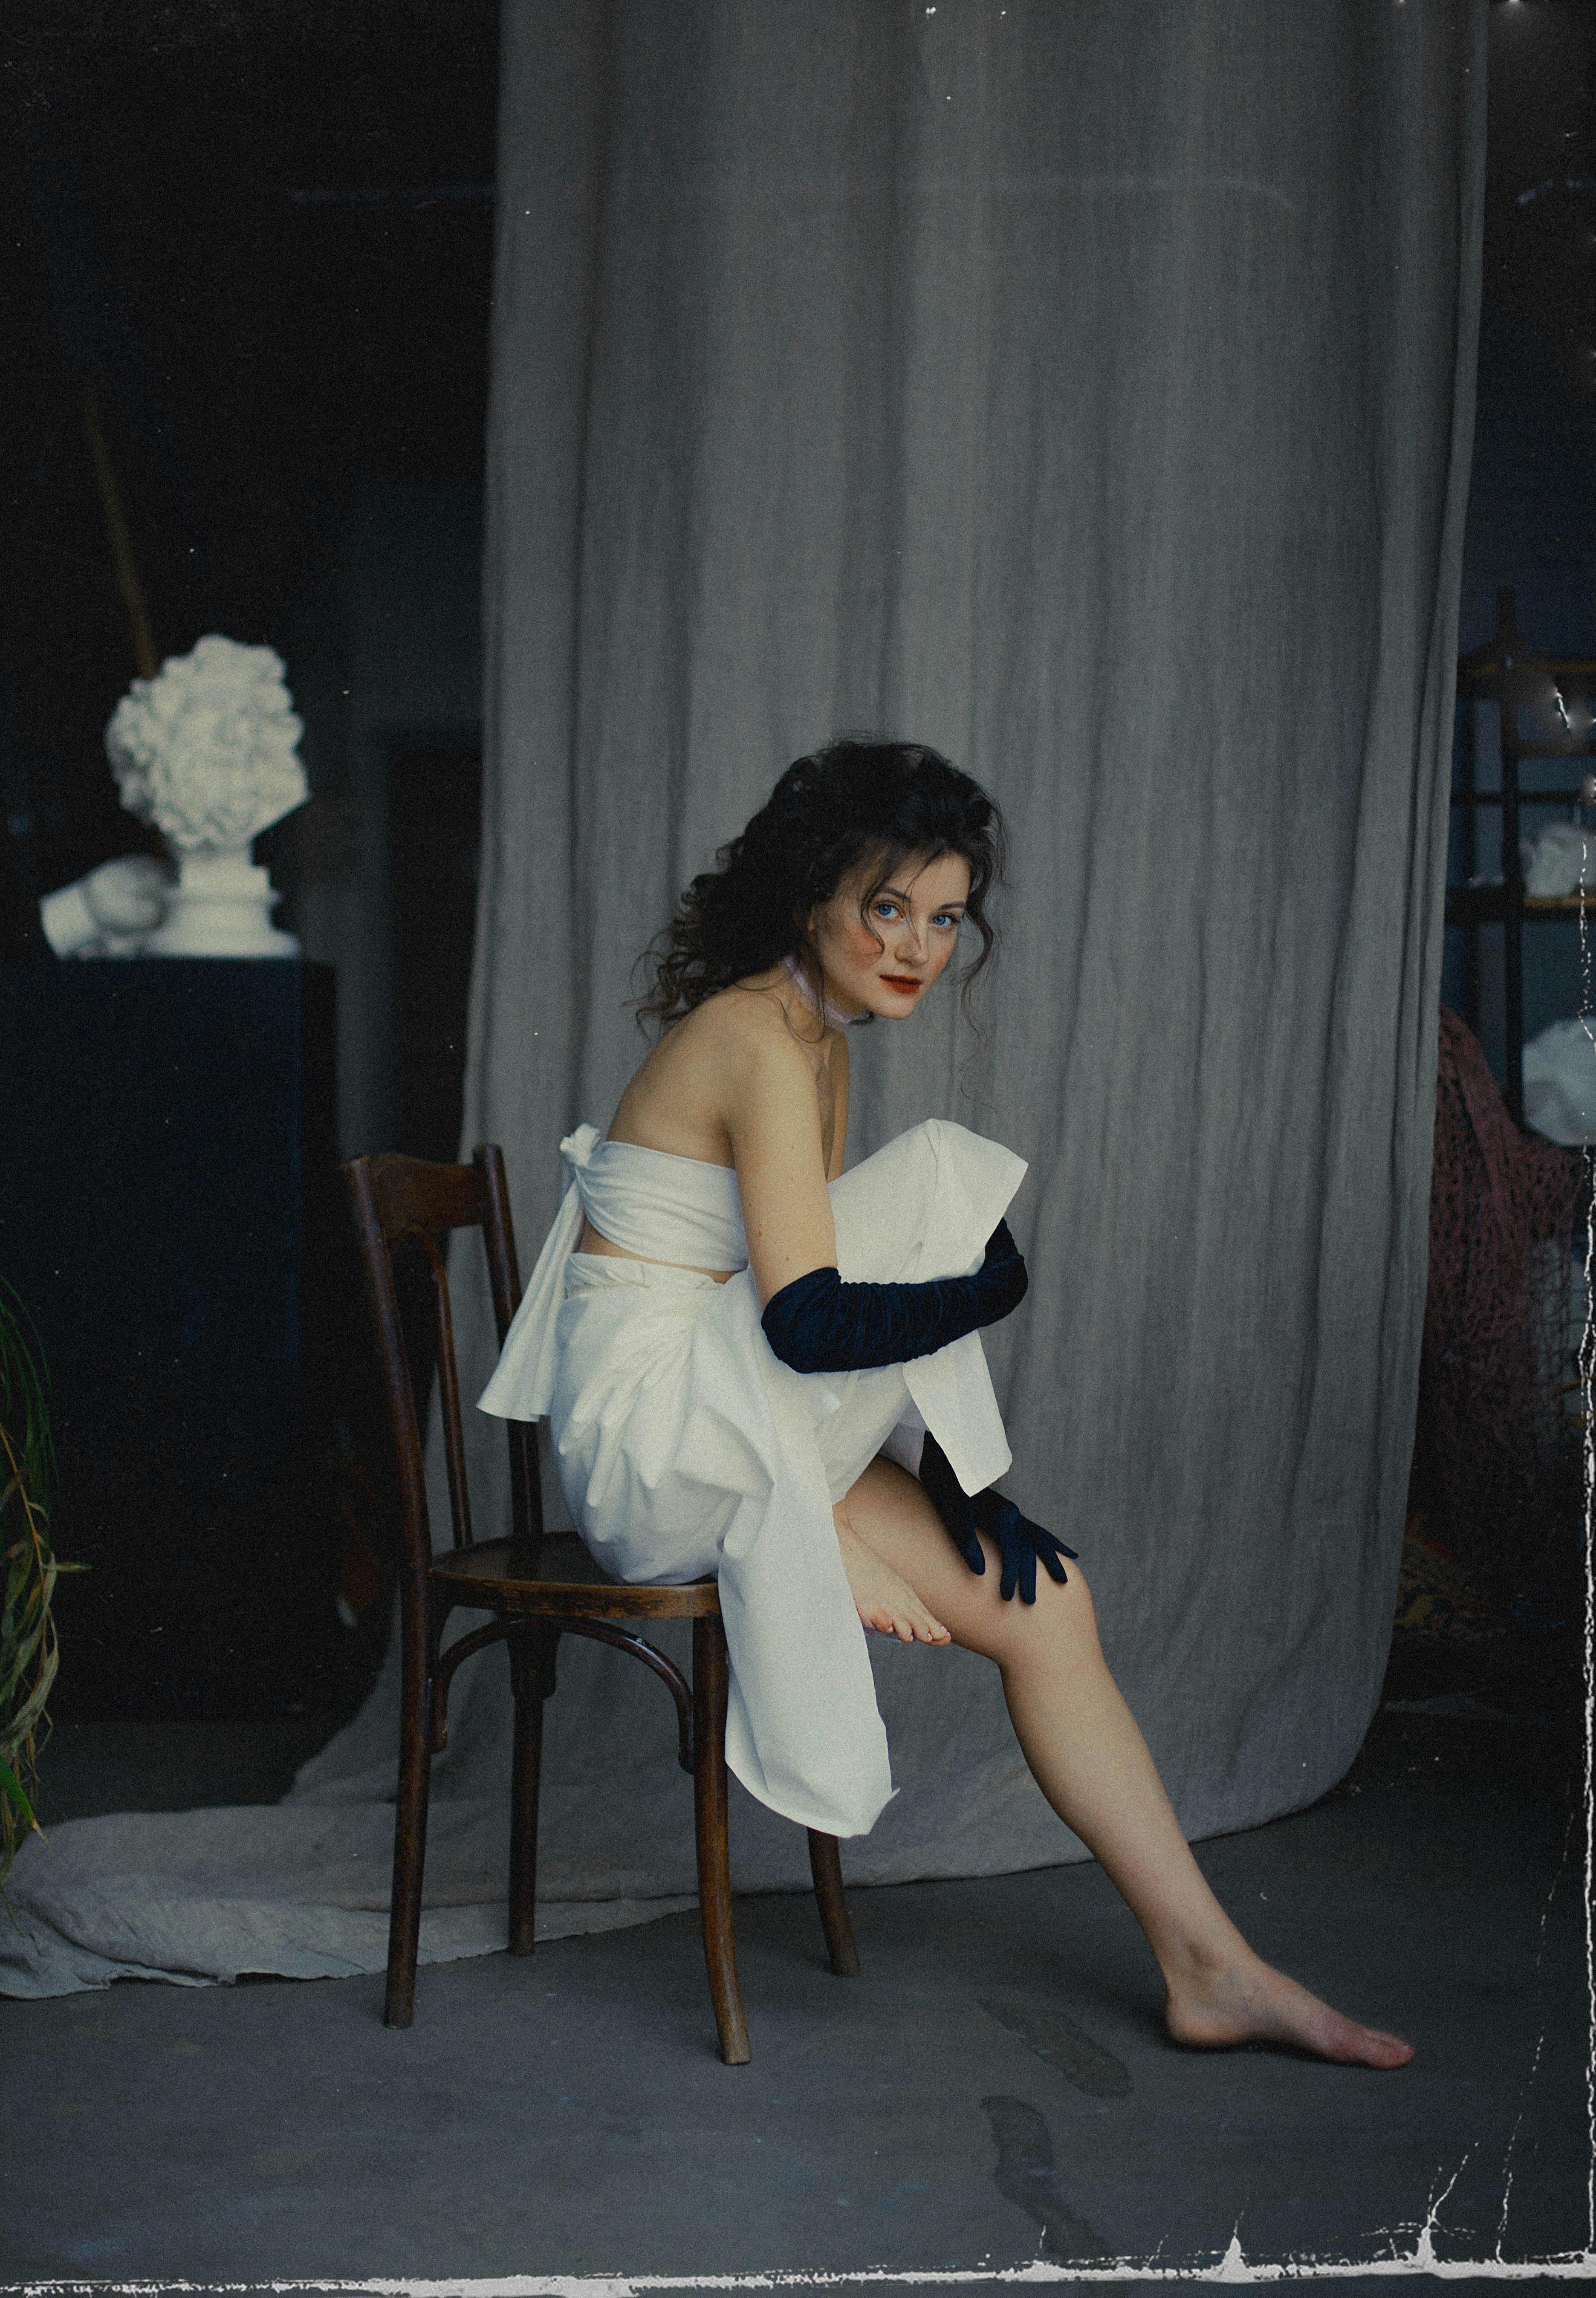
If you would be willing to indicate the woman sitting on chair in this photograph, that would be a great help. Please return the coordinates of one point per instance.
(761, 1368)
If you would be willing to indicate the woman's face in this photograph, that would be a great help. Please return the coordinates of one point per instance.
(884, 960)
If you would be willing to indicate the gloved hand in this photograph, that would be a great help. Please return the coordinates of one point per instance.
(819, 1324)
(967, 1514)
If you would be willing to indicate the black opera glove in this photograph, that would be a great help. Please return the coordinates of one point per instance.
(966, 1514)
(819, 1324)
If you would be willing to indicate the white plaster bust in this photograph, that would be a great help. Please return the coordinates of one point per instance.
(208, 750)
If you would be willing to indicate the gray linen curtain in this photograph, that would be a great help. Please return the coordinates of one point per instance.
(1086, 389)
(1083, 387)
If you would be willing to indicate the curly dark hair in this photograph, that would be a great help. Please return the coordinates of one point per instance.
(859, 798)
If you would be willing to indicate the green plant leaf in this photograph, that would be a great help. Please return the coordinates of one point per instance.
(32, 1709)
(28, 1656)
(11, 1786)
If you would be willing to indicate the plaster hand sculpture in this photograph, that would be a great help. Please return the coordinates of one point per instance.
(110, 913)
(1561, 859)
(1559, 1083)
(208, 750)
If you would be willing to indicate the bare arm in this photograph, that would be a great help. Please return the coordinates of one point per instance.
(772, 1118)
(839, 1107)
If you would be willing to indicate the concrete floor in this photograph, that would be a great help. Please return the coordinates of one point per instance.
(995, 2089)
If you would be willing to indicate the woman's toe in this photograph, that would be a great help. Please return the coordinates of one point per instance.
(1391, 2049)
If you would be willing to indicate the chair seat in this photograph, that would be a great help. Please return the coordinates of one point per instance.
(494, 1574)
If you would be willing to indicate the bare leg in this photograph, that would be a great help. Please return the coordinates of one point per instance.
(1091, 1764)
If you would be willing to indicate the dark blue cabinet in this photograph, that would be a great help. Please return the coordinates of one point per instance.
(168, 1211)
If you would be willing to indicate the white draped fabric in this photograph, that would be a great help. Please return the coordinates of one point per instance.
(686, 1449)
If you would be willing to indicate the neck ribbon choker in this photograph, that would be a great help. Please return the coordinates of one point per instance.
(828, 1012)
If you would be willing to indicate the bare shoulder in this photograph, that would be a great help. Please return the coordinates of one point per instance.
(745, 1049)
(694, 1092)
(741, 1025)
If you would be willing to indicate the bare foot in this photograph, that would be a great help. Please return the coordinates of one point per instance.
(883, 1599)
(1250, 2002)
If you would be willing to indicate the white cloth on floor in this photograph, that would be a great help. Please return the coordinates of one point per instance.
(686, 1448)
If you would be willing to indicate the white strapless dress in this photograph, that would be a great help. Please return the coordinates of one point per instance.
(686, 1448)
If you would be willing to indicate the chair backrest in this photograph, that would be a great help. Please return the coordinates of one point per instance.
(403, 1208)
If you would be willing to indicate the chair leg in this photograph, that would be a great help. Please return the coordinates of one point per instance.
(825, 1864)
(409, 1829)
(531, 1656)
(709, 1687)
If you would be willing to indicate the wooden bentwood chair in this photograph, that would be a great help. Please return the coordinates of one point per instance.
(404, 1207)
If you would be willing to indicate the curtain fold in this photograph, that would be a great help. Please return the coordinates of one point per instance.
(1087, 390)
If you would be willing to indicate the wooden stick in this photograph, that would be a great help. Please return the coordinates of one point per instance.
(127, 583)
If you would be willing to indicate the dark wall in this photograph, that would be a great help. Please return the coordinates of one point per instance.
(1531, 512)
(254, 244)
(261, 237)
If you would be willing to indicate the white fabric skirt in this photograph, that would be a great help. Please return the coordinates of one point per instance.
(686, 1448)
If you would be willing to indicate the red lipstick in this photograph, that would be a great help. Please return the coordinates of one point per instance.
(905, 981)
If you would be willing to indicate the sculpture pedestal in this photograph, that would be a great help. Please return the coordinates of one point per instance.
(170, 1210)
(220, 906)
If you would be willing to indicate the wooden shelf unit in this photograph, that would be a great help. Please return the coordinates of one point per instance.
(1506, 671)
